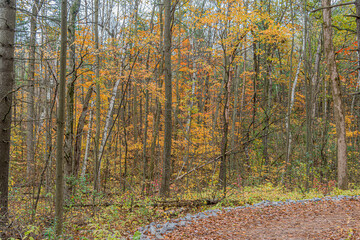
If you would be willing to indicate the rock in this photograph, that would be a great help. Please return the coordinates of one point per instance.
(163, 230)
(158, 236)
(172, 226)
(202, 215)
(152, 229)
(144, 237)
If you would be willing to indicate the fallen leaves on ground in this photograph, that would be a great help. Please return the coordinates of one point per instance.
(312, 220)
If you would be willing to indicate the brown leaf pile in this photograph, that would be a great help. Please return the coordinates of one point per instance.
(312, 220)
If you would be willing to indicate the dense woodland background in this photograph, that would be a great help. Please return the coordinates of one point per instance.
(251, 104)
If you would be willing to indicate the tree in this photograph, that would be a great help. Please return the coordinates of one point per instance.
(336, 92)
(98, 100)
(165, 183)
(69, 150)
(59, 197)
(30, 142)
(7, 30)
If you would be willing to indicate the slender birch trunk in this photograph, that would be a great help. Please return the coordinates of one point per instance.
(107, 127)
(88, 142)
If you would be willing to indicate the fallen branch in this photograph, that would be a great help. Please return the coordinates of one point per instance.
(186, 203)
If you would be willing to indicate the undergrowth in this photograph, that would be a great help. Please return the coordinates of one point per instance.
(114, 216)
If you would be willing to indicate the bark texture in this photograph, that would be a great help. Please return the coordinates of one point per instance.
(337, 97)
(70, 162)
(59, 197)
(165, 183)
(30, 141)
(7, 29)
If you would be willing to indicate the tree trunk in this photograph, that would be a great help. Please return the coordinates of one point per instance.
(69, 134)
(256, 76)
(98, 100)
(234, 114)
(59, 197)
(357, 6)
(88, 142)
(336, 92)
(7, 30)
(79, 133)
(107, 129)
(308, 99)
(165, 183)
(30, 141)
(291, 95)
(145, 187)
(225, 122)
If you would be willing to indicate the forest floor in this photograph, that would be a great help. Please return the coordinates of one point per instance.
(311, 220)
(119, 216)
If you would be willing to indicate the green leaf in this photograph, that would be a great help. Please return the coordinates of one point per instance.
(137, 235)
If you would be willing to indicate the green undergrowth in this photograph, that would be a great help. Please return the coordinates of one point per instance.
(142, 213)
(115, 216)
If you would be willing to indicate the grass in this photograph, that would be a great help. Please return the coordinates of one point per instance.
(128, 212)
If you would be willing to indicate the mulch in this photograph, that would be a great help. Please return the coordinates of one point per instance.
(312, 220)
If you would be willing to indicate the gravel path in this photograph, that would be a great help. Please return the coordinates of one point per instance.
(318, 218)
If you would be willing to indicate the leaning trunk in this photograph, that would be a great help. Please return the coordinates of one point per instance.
(336, 92)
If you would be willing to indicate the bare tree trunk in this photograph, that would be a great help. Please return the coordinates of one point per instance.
(234, 115)
(256, 76)
(225, 122)
(69, 134)
(315, 77)
(146, 124)
(287, 118)
(291, 95)
(107, 129)
(165, 183)
(357, 5)
(59, 197)
(189, 117)
(267, 104)
(30, 142)
(177, 78)
(98, 100)
(308, 99)
(7, 30)
(156, 125)
(79, 133)
(88, 142)
(49, 143)
(336, 91)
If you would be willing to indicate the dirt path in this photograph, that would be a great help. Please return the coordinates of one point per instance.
(313, 220)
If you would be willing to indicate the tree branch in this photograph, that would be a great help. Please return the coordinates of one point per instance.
(332, 6)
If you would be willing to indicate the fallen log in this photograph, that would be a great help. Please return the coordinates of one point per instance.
(186, 203)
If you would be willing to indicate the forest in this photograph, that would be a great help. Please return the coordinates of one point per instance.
(115, 114)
